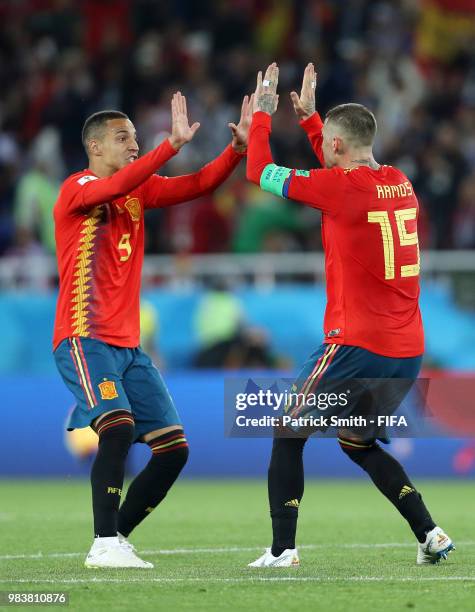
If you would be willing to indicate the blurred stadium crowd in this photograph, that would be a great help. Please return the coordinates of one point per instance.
(412, 62)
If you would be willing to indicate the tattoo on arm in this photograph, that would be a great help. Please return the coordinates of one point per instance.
(309, 107)
(266, 103)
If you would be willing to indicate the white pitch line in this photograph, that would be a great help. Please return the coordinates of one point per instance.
(243, 579)
(231, 549)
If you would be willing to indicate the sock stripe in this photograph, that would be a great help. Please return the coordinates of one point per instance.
(114, 414)
(351, 444)
(113, 422)
(166, 438)
(115, 418)
(171, 448)
(170, 436)
(174, 442)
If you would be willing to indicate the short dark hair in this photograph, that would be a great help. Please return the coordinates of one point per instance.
(97, 121)
(356, 120)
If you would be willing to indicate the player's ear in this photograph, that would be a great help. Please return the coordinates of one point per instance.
(94, 147)
(338, 145)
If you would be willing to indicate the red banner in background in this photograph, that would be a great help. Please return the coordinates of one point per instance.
(467, 6)
(445, 28)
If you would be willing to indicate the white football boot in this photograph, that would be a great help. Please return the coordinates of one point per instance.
(123, 541)
(436, 547)
(289, 558)
(109, 552)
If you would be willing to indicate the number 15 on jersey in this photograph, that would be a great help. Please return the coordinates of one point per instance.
(405, 239)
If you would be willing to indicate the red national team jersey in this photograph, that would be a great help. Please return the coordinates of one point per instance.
(369, 228)
(99, 228)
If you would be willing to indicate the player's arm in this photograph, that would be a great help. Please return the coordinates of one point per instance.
(91, 191)
(165, 191)
(318, 188)
(159, 191)
(313, 128)
(304, 107)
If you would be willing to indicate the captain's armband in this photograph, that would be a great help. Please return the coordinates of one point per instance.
(275, 179)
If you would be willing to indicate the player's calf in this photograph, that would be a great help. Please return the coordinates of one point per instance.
(286, 486)
(391, 479)
(149, 488)
(116, 431)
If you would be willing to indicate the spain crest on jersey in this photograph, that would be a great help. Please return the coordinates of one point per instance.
(133, 206)
(108, 390)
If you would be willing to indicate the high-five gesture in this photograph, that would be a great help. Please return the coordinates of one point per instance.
(181, 130)
(241, 130)
(304, 105)
(265, 96)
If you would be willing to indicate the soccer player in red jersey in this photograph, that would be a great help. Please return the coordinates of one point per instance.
(373, 327)
(99, 221)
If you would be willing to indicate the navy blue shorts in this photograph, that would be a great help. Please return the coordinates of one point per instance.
(103, 377)
(344, 381)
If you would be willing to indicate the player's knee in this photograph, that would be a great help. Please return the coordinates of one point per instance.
(181, 457)
(170, 449)
(178, 456)
(358, 450)
(287, 447)
(285, 451)
(117, 428)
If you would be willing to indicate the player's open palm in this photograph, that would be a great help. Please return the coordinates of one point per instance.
(182, 132)
(241, 130)
(304, 105)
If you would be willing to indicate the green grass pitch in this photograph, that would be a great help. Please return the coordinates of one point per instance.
(356, 552)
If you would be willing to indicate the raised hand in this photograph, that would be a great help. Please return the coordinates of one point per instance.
(181, 130)
(265, 96)
(241, 130)
(304, 106)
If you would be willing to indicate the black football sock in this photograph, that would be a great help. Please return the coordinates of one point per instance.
(391, 479)
(285, 486)
(115, 432)
(149, 488)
